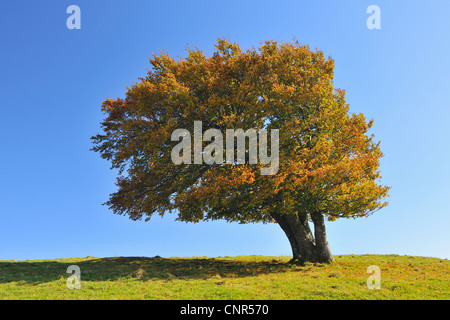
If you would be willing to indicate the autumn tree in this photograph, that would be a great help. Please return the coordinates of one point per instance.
(328, 163)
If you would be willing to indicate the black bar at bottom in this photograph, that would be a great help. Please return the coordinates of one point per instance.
(225, 309)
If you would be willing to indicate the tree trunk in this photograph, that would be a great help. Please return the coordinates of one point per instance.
(323, 251)
(304, 247)
(290, 235)
(303, 237)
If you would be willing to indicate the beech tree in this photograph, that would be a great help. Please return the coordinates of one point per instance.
(328, 163)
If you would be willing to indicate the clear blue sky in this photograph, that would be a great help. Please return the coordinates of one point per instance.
(53, 80)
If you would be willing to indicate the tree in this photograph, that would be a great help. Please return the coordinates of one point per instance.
(328, 163)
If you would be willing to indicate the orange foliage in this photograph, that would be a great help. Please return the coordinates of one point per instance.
(328, 162)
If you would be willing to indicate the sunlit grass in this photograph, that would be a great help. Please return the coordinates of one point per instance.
(247, 277)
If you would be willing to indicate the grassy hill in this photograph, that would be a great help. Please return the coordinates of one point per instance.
(247, 277)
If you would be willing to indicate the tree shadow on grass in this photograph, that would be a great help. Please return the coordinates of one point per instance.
(140, 268)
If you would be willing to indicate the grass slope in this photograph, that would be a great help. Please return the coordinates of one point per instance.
(248, 277)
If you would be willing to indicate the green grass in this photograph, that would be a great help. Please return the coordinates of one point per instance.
(248, 277)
